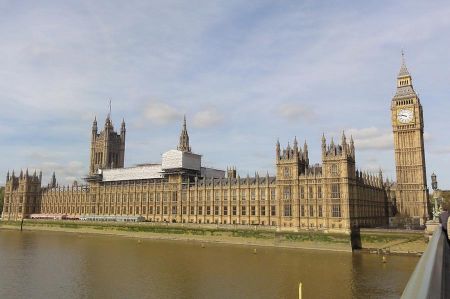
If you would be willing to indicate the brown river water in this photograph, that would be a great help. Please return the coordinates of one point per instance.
(69, 265)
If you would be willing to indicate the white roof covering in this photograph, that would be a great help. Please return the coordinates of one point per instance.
(132, 173)
(177, 159)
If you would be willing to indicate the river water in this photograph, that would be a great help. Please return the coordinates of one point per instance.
(65, 265)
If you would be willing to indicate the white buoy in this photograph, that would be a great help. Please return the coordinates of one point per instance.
(300, 290)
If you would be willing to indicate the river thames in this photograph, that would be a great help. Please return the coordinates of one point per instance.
(65, 265)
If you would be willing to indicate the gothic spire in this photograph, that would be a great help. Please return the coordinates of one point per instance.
(324, 144)
(403, 70)
(53, 181)
(295, 145)
(108, 123)
(122, 128)
(277, 150)
(184, 139)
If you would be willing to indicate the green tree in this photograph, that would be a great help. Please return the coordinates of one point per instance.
(2, 193)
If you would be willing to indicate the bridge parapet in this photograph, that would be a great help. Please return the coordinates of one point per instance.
(431, 277)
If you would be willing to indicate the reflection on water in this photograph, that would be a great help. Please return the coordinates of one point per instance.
(58, 265)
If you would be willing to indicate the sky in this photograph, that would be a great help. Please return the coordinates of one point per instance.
(244, 73)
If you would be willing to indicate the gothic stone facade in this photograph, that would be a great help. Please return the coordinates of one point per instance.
(334, 196)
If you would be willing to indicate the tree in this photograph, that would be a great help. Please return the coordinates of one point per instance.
(2, 193)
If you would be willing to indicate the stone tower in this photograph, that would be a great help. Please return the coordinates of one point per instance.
(291, 162)
(107, 147)
(184, 139)
(21, 195)
(407, 125)
(339, 159)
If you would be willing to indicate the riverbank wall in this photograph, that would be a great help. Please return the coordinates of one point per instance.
(371, 240)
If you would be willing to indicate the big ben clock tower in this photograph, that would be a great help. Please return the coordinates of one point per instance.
(407, 125)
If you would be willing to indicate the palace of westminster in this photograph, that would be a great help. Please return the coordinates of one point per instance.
(333, 196)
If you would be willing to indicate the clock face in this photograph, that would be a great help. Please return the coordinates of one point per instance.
(405, 116)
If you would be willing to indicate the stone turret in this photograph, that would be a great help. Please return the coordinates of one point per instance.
(293, 158)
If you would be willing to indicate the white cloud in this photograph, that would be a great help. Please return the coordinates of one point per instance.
(207, 118)
(441, 150)
(295, 112)
(161, 113)
(371, 138)
(65, 173)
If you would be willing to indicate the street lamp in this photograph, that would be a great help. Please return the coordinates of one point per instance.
(436, 208)
(433, 182)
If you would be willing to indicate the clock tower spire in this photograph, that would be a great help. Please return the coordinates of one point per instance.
(407, 126)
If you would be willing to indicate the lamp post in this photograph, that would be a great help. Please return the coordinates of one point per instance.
(436, 208)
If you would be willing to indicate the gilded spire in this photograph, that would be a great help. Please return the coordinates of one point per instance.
(184, 139)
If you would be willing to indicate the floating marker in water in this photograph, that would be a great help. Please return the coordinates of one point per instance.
(254, 251)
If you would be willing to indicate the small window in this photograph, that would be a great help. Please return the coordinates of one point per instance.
(287, 193)
(336, 210)
(287, 210)
(334, 169)
(335, 191)
(263, 211)
(262, 194)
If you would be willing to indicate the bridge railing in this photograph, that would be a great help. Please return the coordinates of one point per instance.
(431, 276)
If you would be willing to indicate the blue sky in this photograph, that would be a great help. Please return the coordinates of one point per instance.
(244, 72)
